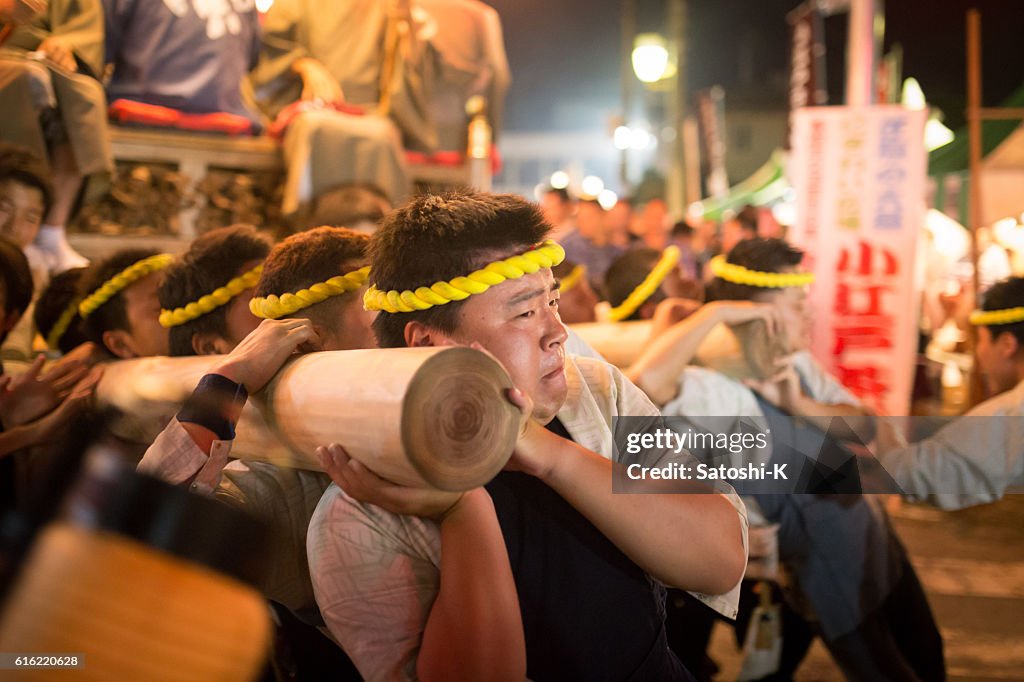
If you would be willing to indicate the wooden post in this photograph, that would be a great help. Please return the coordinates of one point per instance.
(974, 175)
(691, 157)
(676, 189)
(480, 138)
(627, 84)
(863, 46)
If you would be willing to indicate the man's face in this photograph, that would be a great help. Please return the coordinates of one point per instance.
(590, 220)
(577, 305)
(556, 210)
(619, 218)
(239, 320)
(21, 212)
(354, 329)
(995, 359)
(517, 321)
(795, 317)
(677, 285)
(732, 234)
(142, 308)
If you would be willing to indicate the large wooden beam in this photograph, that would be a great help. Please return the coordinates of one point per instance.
(434, 417)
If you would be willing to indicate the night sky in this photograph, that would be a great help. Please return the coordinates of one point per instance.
(564, 54)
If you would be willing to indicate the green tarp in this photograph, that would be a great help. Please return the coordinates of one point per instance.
(767, 184)
(954, 157)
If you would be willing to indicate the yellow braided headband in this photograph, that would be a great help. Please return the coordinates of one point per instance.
(62, 324)
(273, 307)
(646, 288)
(737, 274)
(573, 278)
(212, 301)
(546, 255)
(985, 318)
(115, 284)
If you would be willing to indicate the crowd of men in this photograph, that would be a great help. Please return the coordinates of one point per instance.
(546, 572)
(413, 583)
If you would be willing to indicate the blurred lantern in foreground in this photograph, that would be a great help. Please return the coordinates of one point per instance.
(138, 580)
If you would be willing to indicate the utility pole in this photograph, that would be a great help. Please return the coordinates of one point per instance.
(628, 80)
(863, 51)
(676, 186)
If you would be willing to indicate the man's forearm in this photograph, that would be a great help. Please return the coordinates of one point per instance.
(474, 630)
(16, 438)
(691, 541)
(657, 371)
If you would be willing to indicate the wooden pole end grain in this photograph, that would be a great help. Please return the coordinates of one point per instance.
(458, 426)
(435, 417)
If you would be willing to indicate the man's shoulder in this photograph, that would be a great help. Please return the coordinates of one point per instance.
(600, 377)
(339, 518)
(603, 383)
(1007, 403)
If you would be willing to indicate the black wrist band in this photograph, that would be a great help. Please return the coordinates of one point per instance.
(214, 405)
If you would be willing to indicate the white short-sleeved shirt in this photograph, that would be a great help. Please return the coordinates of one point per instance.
(972, 460)
(375, 574)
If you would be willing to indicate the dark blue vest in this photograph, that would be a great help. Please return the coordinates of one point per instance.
(589, 612)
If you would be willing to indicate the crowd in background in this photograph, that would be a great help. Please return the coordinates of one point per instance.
(542, 573)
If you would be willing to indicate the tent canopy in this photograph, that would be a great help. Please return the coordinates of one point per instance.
(766, 185)
(955, 156)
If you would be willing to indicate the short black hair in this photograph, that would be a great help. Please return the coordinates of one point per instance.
(627, 272)
(310, 257)
(748, 218)
(211, 261)
(16, 278)
(682, 229)
(112, 314)
(1005, 294)
(348, 205)
(760, 254)
(18, 164)
(63, 291)
(564, 269)
(436, 237)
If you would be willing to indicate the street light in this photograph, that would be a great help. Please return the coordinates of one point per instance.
(637, 138)
(592, 185)
(621, 137)
(650, 57)
(607, 199)
(559, 179)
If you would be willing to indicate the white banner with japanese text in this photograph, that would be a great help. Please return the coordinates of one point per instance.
(859, 177)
